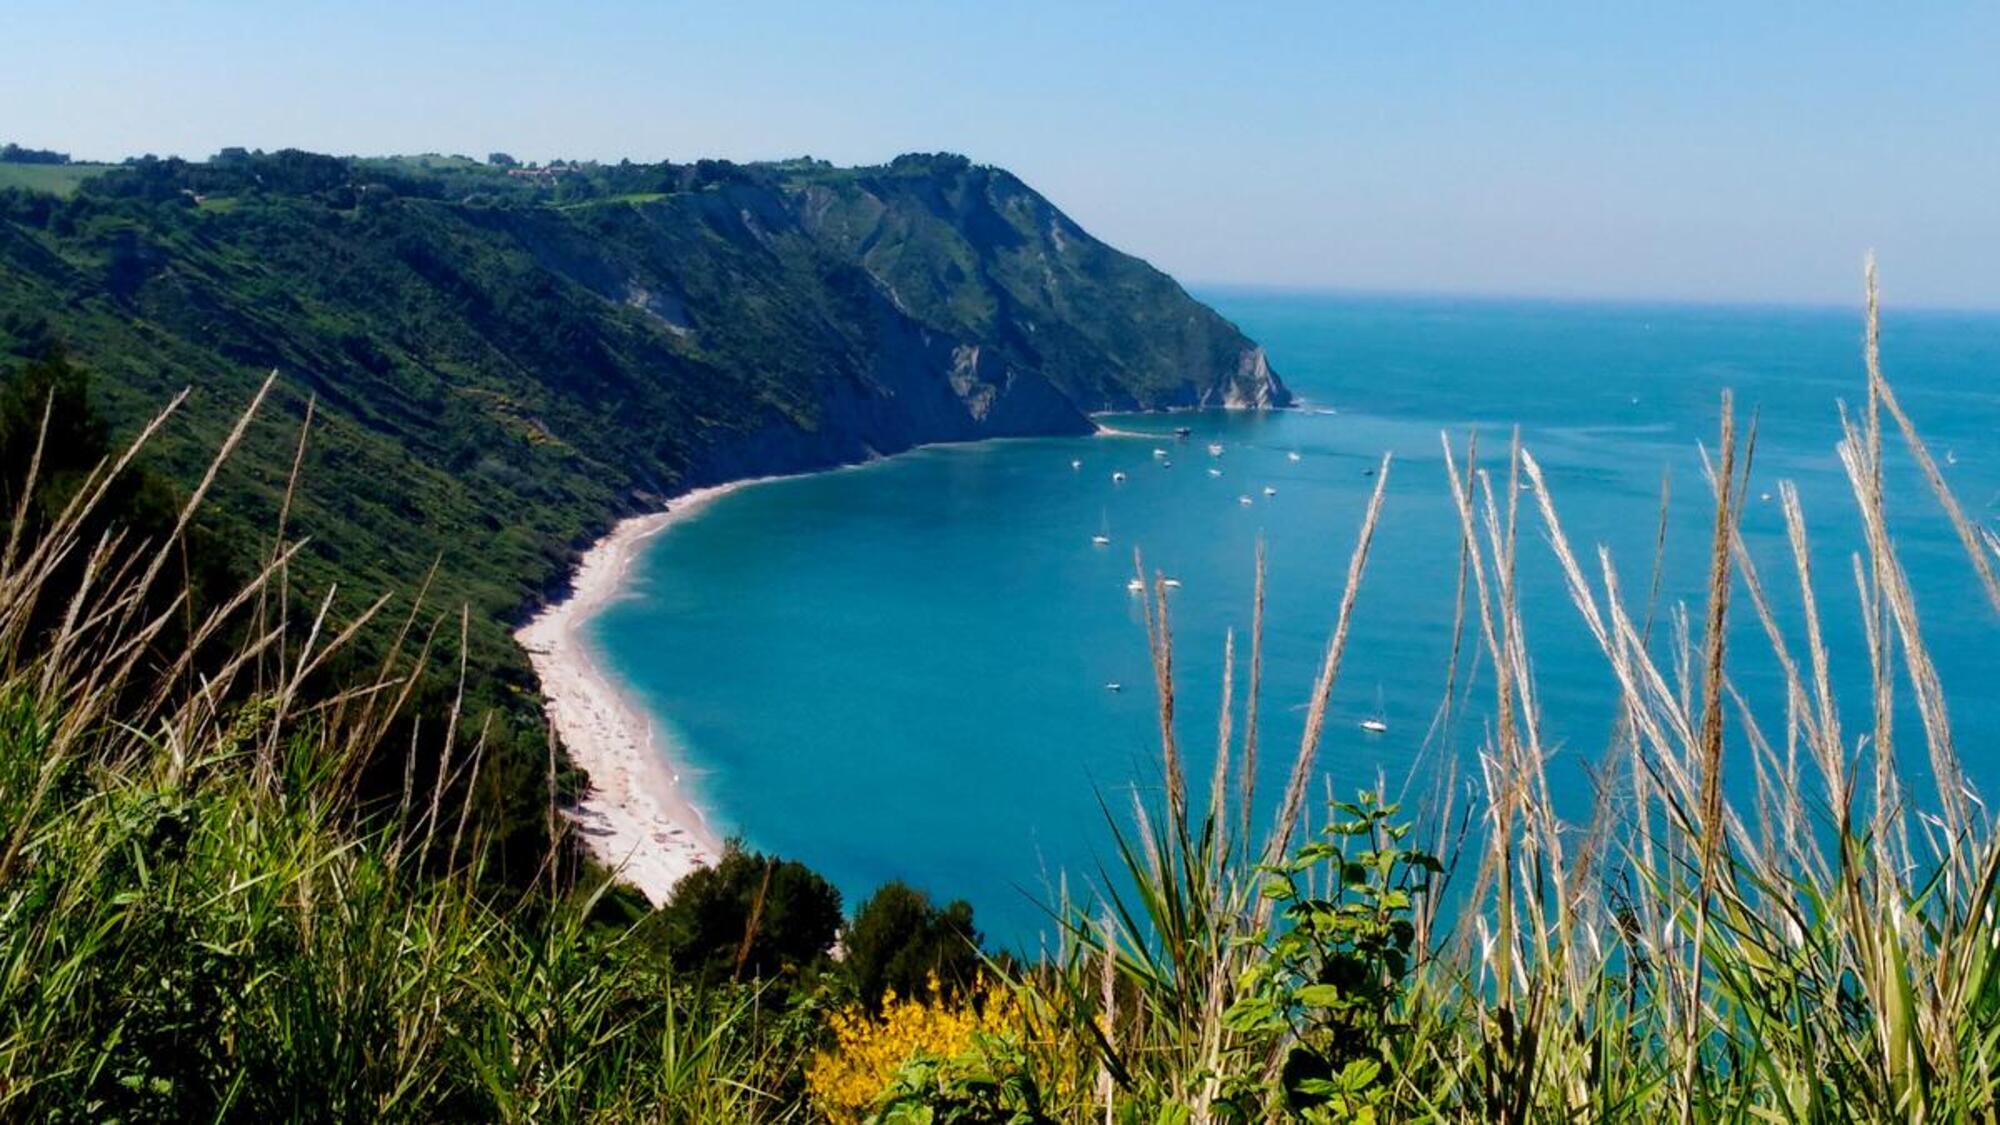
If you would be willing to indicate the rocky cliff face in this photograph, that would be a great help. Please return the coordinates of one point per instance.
(977, 254)
(948, 302)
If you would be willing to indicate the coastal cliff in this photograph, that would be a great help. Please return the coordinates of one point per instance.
(502, 361)
(927, 300)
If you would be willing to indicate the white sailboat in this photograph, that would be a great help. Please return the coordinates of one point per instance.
(1376, 724)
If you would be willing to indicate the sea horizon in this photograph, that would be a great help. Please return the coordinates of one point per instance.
(1856, 306)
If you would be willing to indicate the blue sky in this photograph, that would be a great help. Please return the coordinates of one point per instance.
(1689, 151)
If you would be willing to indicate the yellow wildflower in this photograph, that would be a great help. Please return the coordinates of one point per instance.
(869, 1051)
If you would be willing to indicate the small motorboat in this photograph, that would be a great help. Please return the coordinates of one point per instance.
(1245, 500)
(1117, 478)
(1215, 449)
(1075, 465)
(1183, 431)
(1171, 583)
(1215, 472)
(1114, 686)
(1159, 454)
(1166, 464)
(1269, 491)
(1135, 586)
(1101, 540)
(1292, 456)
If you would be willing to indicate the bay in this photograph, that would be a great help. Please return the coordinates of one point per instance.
(900, 670)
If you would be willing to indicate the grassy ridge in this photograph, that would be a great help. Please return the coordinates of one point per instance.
(55, 179)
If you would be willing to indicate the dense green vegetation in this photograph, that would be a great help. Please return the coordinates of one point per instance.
(749, 917)
(498, 360)
(900, 942)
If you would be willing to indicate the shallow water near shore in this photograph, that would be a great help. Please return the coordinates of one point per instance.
(901, 670)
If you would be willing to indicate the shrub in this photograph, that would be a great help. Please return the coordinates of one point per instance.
(749, 917)
(1334, 963)
(927, 1058)
(898, 942)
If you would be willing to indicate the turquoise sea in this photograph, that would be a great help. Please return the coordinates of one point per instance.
(900, 670)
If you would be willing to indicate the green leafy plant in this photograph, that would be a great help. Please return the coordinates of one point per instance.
(1332, 972)
(991, 1085)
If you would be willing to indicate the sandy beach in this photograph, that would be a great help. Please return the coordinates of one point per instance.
(638, 816)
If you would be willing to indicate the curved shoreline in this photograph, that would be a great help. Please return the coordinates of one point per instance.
(637, 817)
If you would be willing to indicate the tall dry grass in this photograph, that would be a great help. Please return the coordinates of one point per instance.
(194, 925)
(1751, 923)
